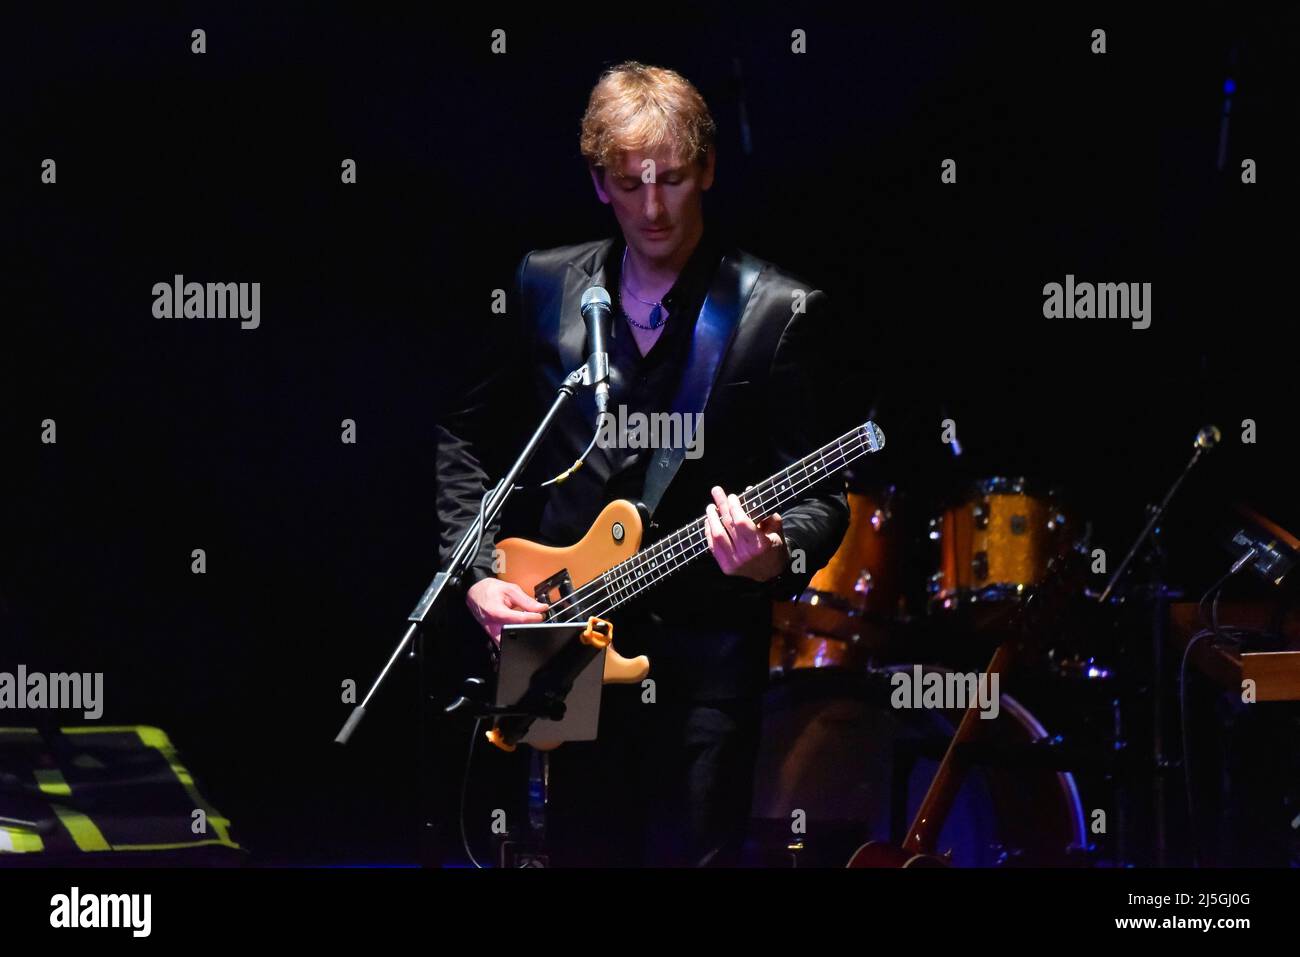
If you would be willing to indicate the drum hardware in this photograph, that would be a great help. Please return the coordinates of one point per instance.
(864, 584)
(1270, 550)
(1075, 667)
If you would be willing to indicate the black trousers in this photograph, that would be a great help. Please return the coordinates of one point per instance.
(668, 783)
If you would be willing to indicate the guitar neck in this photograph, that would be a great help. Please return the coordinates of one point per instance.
(656, 562)
(927, 825)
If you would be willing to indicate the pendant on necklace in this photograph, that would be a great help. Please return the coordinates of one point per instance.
(656, 317)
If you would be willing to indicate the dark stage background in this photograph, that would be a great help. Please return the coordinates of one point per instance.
(183, 434)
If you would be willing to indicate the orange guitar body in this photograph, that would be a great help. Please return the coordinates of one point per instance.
(614, 537)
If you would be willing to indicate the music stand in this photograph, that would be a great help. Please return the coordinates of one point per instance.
(546, 665)
(548, 691)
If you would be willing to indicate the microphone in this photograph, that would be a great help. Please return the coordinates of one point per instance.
(1208, 437)
(596, 314)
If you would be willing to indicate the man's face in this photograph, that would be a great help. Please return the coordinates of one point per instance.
(658, 218)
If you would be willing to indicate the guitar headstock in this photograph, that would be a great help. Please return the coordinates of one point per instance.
(873, 435)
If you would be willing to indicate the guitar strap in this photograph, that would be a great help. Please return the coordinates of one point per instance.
(714, 331)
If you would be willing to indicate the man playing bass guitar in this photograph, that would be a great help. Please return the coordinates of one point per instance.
(669, 781)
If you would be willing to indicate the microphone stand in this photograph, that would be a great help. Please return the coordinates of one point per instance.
(1206, 439)
(460, 560)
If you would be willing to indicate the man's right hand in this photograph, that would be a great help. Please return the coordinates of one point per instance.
(495, 603)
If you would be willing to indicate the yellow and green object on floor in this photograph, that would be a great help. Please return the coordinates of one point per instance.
(87, 790)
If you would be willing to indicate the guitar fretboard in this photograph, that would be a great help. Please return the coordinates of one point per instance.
(652, 564)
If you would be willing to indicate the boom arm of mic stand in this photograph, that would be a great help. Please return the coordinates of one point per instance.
(463, 553)
(1156, 515)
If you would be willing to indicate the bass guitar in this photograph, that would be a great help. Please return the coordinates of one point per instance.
(586, 581)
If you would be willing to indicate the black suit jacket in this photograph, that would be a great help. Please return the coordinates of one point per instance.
(705, 631)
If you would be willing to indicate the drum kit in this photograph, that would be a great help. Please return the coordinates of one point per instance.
(1000, 567)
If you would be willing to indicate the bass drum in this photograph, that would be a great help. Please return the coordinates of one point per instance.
(857, 768)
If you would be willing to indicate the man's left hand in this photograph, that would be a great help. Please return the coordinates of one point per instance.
(739, 545)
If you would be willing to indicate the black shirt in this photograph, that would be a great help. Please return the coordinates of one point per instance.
(647, 384)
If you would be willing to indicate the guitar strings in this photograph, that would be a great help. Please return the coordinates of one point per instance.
(628, 578)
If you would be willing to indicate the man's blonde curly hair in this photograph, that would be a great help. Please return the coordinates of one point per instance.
(639, 108)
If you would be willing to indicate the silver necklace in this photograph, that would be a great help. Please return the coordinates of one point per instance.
(656, 316)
